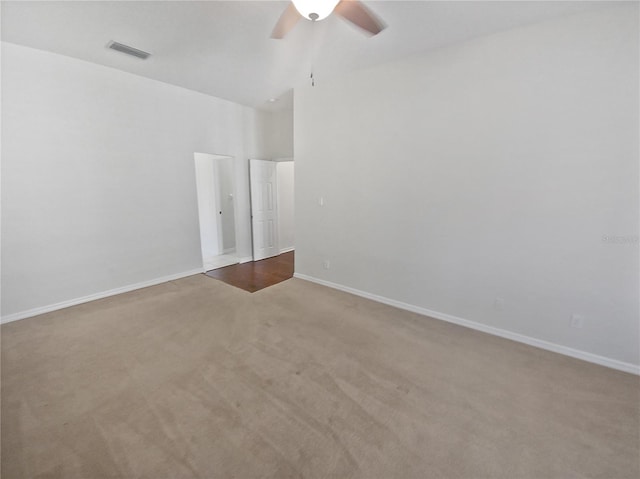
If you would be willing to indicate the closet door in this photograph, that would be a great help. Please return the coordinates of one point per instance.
(264, 209)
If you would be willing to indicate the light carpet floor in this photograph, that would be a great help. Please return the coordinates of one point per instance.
(198, 379)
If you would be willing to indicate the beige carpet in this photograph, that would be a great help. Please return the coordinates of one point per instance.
(195, 378)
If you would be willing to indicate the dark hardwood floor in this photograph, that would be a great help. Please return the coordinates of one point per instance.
(256, 275)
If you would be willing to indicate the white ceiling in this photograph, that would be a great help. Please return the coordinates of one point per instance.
(223, 48)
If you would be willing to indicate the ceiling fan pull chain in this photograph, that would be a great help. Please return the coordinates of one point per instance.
(313, 50)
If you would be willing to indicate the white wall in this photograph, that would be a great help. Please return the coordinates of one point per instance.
(278, 134)
(98, 181)
(281, 133)
(489, 169)
(286, 236)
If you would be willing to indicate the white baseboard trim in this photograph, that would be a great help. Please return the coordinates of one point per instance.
(245, 259)
(92, 297)
(538, 343)
(287, 250)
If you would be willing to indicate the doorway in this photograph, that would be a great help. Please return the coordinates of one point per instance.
(216, 209)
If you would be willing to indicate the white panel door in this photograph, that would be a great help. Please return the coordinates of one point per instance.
(264, 209)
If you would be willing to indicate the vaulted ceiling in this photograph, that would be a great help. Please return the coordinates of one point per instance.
(223, 48)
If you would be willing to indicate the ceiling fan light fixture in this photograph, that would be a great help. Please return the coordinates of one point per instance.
(315, 9)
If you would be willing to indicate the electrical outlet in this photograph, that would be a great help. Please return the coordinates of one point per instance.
(577, 320)
(326, 264)
(498, 304)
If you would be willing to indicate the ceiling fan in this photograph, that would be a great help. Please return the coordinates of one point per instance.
(315, 10)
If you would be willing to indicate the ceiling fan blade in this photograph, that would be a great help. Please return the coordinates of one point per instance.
(359, 15)
(287, 21)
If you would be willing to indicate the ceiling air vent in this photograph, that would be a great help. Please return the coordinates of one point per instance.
(128, 50)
